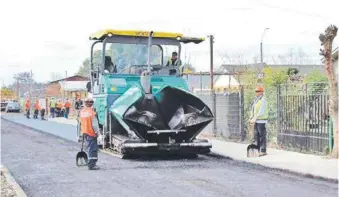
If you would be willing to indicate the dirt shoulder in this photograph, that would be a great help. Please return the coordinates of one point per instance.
(9, 187)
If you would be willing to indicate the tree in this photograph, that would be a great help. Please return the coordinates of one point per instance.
(327, 42)
(84, 69)
(292, 71)
(235, 58)
(7, 93)
(24, 82)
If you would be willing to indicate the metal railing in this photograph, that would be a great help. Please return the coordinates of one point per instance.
(303, 118)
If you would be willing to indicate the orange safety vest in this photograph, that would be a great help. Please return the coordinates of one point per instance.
(59, 105)
(86, 116)
(67, 104)
(36, 106)
(27, 105)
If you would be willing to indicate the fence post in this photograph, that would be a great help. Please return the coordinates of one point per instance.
(214, 109)
(278, 111)
(241, 114)
(330, 135)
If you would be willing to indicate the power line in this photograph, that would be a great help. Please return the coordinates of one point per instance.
(284, 9)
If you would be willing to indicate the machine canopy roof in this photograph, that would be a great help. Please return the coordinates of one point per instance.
(102, 34)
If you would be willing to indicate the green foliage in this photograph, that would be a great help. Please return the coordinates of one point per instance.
(275, 77)
(316, 76)
(317, 82)
(292, 71)
(84, 69)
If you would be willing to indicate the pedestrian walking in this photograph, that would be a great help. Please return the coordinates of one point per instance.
(89, 128)
(258, 118)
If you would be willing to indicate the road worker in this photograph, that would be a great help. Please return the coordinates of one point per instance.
(42, 112)
(89, 127)
(52, 106)
(78, 103)
(27, 106)
(259, 117)
(67, 107)
(59, 108)
(175, 62)
(36, 109)
(109, 66)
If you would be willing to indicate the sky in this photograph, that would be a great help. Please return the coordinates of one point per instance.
(52, 36)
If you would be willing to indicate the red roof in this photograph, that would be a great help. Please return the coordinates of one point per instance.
(72, 78)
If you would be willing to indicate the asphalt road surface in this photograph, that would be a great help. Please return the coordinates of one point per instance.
(44, 165)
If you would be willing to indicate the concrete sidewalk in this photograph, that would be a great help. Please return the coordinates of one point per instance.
(306, 164)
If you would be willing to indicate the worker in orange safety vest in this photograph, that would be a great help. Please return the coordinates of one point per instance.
(59, 108)
(89, 127)
(67, 107)
(27, 106)
(36, 109)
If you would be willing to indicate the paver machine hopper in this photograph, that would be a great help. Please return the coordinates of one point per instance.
(143, 105)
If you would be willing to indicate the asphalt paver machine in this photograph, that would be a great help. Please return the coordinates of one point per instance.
(144, 106)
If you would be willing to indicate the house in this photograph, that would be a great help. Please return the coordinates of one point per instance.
(67, 87)
(303, 68)
(198, 80)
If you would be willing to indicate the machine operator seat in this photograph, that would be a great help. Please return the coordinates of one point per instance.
(109, 66)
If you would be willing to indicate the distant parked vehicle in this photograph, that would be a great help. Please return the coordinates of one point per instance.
(12, 107)
(3, 105)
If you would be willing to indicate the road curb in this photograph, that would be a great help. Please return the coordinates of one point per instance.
(306, 175)
(10, 179)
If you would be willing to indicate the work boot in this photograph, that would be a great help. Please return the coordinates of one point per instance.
(262, 154)
(94, 168)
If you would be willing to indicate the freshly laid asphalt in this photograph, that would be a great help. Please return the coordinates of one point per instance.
(44, 165)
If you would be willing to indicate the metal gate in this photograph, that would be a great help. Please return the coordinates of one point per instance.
(303, 120)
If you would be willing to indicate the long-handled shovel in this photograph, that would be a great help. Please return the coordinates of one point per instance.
(252, 149)
(82, 159)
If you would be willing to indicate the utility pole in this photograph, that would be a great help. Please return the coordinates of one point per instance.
(214, 109)
(261, 50)
(211, 59)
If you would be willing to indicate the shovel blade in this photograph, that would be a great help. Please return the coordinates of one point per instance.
(81, 159)
(252, 150)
